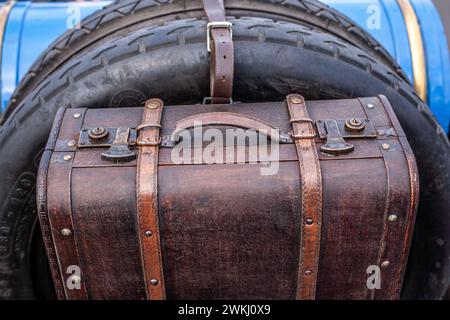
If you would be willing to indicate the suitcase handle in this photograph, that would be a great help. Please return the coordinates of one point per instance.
(233, 120)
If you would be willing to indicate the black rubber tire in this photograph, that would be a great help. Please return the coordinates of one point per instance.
(170, 62)
(122, 17)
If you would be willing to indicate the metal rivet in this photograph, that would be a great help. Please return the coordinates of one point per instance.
(154, 282)
(308, 273)
(67, 158)
(296, 100)
(385, 264)
(386, 146)
(309, 222)
(72, 143)
(77, 115)
(148, 233)
(153, 105)
(370, 106)
(66, 232)
(393, 218)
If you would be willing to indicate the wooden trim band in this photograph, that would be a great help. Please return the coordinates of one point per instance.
(55, 215)
(311, 189)
(416, 48)
(43, 216)
(61, 223)
(147, 201)
(414, 195)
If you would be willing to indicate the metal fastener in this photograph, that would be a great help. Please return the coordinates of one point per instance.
(154, 282)
(153, 105)
(71, 143)
(393, 218)
(67, 157)
(98, 133)
(355, 125)
(308, 273)
(148, 233)
(309, 222)
(77, 115)
(370, 106)
(386, 146)
(381, 132)
(66, 232)
(385, 264)
(296, 100)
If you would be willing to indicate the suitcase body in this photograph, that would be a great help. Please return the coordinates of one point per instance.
(231, 229)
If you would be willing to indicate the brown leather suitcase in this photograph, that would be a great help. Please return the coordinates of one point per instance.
(327, 213)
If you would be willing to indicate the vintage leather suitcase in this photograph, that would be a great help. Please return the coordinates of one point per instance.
(128, 211)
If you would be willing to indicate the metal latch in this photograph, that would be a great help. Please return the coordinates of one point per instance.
(119, 150)
(335, 145)
(336, 131)
(118, 140)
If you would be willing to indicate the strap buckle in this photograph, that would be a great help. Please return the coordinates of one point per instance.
(208, 100)
(217, 24)
(149, 143)
(304, 135)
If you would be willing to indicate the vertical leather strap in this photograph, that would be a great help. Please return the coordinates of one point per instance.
(311, 184)
(147, 200)
(220, 45)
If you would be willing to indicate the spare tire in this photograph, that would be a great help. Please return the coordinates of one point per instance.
(122, 17)
(170, 62)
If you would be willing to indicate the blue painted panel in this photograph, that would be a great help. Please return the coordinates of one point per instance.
(437, 58)
(11, 49)
(31, 27)
(390, 31)
(44, 22)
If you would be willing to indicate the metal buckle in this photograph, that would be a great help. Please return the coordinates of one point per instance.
(146, 126)
(208, 100)
(302, 136)
(149, 143)
(217, 24)
(295, 120)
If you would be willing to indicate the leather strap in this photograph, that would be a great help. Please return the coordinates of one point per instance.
(147, 200)
(311, 184)
(220, 45)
